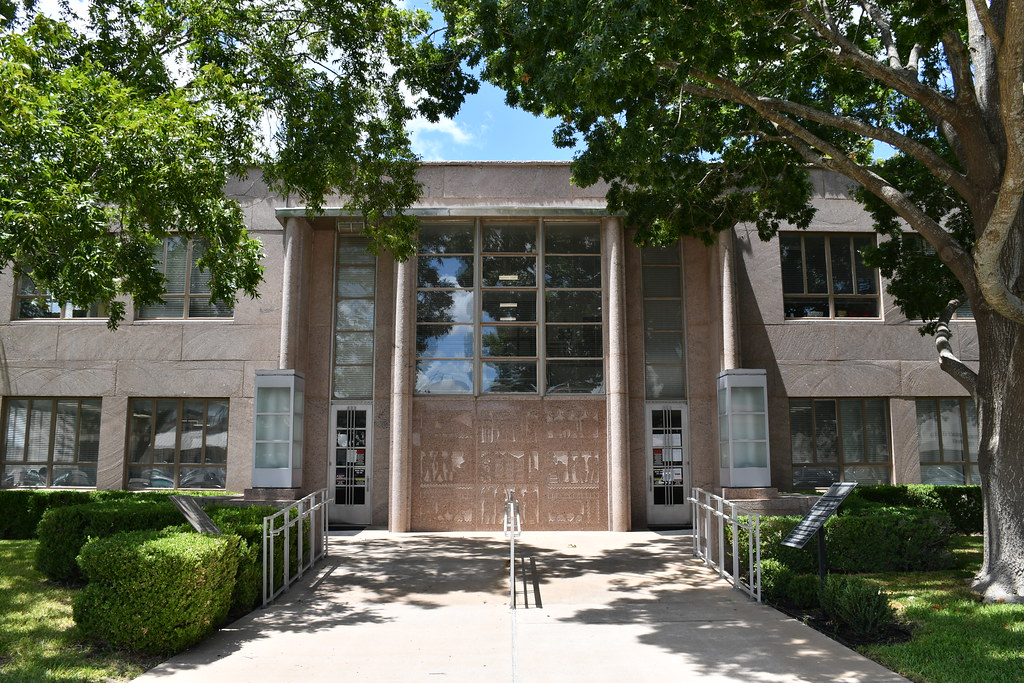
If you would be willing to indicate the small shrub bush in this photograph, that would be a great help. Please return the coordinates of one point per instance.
(802, 591)
(155, 592)
(64, 530)
(781, 586)
(856, 604)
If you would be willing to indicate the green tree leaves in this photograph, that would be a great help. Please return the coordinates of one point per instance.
(125, 127)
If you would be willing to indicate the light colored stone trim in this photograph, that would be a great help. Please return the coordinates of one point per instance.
(616, 383)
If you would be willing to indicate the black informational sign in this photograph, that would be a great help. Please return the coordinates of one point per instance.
(824, 508)
(199, 520)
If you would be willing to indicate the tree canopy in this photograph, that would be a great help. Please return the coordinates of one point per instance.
(702, 115)
(123, 126)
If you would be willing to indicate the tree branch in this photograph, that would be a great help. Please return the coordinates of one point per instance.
(985, 17)
(951, 253)
(897, 79)
(948, 360)
(935, 164)
(885, 32)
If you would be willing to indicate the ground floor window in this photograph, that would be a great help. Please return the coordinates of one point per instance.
(840, 440)
(178, 443)
(50, 441)
(947, 430)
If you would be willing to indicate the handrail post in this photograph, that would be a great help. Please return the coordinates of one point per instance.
(735, 546)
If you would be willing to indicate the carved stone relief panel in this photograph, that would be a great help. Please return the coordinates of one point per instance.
(468, 453)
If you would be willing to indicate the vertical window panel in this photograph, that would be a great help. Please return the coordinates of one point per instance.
(54, 440)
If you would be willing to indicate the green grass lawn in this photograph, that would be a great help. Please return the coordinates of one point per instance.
(38, 640)
(957, 639)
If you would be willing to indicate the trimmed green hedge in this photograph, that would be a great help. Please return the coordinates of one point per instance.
(22, 509)
(246, 523)
(64, 530)
(869, 539)
(155, 592)
(962, 503)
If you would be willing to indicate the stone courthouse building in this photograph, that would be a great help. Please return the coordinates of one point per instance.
(529, 346)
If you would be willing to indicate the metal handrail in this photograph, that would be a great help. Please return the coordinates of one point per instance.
(709, 520)
(513, 526)
(312, 508)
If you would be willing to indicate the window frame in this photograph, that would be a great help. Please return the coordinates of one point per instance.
(790, 298)
(158, 311)
(969, 462)
(77, 463)
(25, 290)
(177, 465)
(842, 463)
(537, 291)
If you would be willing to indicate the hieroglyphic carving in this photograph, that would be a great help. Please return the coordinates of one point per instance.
(468, 453)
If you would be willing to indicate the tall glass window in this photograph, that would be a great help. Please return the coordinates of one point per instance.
(664, 358)
(947, 430)
(354, 319)
(50, 442)
(509, 307)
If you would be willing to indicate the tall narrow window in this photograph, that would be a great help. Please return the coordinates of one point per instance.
(572, 308)
(188, 287)
(354, 319)
(824, 276)
(664, 360)
(947, 430)
(840, 440)
(508, 320)
(445, 308)
(50, 442)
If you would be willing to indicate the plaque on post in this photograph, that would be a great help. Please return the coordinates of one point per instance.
(199, 520)
(814, 521)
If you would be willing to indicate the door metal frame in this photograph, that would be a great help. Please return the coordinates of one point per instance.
(336, 512)
(683, 511)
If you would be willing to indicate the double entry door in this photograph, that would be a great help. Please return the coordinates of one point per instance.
(350, 464)
(668, 465)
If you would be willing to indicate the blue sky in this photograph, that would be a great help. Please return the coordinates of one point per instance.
(486, 129)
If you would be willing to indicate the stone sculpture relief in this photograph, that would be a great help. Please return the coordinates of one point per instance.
(469, 453)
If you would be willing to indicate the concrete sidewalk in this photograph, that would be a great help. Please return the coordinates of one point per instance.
(621, 607)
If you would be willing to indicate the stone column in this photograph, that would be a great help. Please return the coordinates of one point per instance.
(615, 382)
(289, 292)
(400, 484)
(730, 333)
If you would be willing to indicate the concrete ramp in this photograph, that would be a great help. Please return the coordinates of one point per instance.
(620, 607)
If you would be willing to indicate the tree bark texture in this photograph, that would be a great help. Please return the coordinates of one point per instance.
(1000, 403)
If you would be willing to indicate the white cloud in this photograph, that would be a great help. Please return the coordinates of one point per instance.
(429, 140)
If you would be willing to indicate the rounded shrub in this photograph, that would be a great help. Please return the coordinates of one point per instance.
(64, 530)
(155, 592)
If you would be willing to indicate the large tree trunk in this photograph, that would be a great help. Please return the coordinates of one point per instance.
(1000, 402)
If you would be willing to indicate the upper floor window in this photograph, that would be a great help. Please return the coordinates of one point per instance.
(188, 287)
(32, 303)
(824, 276)
(50, 441)
(509, 307)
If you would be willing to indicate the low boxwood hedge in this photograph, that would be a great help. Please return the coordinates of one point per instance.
(868, 539)
(962, 503)
(155, 592)
(64, 530)
(22, 509)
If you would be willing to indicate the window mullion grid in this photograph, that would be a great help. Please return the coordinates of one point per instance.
(542, 313)
(179, 430)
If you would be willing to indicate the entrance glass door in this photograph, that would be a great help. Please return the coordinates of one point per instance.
(668, 465)
(350, 464)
